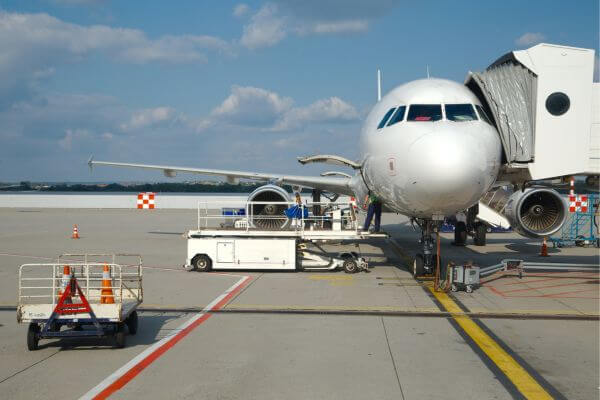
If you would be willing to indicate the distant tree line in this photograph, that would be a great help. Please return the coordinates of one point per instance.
(175, 187)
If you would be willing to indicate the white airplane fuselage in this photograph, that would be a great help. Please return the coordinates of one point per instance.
(424, 168)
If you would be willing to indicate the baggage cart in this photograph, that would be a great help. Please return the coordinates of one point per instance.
(78, 298)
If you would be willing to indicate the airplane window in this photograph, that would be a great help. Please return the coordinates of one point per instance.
(460, 112)
(425, 112)
(385, 118)
(483, 115)
(398, 116)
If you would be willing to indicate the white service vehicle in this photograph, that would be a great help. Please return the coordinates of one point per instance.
(243, 243)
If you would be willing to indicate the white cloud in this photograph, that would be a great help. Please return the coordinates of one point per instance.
(241, 10)
(266, 28)
(32, 45)
(151, 117)
(331, 110)
(247, 105)
(274, 22)
(66, 143)
(340, 26)
(256, 108)
(530, 39)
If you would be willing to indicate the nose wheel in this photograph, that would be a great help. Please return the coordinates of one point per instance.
(425, 262)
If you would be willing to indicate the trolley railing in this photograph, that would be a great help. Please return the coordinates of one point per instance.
(309, 216)
(41, 283)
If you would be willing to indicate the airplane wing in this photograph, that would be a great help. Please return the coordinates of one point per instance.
(338, 185)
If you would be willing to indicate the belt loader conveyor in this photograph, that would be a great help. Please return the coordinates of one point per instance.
(240, 244)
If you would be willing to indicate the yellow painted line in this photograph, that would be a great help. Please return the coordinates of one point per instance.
(524, 382)
(328, 308)
(333, 280)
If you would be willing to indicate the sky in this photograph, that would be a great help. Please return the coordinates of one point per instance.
(233, 85)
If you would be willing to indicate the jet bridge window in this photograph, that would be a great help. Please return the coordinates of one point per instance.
(483, 115)
(386, 117)
(398, 116)
(460, 112)
(425, 112)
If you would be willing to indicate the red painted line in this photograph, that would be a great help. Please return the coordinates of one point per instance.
(548, 279)
(140, 366)
(544, 287)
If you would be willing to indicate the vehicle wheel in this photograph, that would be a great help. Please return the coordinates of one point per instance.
(460, 234)
(453, 287)
(132, 323)
(579, 241)
(32, 336)
(469, 289)
(350, 266)
(202, 262)
(480, 234)
(120, 336)
(418, 265)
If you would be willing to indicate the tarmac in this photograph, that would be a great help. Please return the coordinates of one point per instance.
(326, 335)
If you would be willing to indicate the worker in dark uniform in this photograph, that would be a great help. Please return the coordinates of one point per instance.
(374, 209)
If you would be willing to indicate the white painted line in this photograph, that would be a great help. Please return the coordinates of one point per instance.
(128, 371)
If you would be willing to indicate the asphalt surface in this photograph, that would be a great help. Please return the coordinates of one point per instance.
(300, 335)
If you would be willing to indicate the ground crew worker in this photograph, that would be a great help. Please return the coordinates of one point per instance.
(374, 209)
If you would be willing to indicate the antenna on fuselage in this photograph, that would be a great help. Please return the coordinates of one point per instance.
(428, 72)
(378, 84)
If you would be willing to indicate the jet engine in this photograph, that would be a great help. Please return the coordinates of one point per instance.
(536, 212)
(268, 214)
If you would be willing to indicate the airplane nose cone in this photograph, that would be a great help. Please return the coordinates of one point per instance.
(449, 170)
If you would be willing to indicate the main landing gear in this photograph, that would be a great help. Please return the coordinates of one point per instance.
(425, 262)
(472, 227)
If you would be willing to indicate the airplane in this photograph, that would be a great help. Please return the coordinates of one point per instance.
(494, 147)
(429, 150)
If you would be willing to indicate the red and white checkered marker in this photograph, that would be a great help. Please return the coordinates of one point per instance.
(145, 200)
(578, 203)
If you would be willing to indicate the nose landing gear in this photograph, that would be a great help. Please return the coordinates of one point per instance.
(425, 262)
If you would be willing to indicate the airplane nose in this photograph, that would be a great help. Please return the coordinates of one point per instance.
(448, 170)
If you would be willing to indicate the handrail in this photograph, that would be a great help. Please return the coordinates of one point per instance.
(89, 278)
(345, 219)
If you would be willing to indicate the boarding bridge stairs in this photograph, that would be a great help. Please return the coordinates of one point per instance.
(491, 209)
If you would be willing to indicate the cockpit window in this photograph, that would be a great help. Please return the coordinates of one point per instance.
(425, 112)
(460, 112)
(398, 116)
(386, 117)
(483, 115)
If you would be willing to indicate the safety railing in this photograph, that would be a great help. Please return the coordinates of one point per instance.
(278, 215)
(43, 283)
(520, 265)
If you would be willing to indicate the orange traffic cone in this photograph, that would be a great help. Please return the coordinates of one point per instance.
(544, 252)
(106, 293)
(66, 279)
(75, 232)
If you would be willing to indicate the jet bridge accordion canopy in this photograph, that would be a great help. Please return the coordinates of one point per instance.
(510, 91)
(545, 106)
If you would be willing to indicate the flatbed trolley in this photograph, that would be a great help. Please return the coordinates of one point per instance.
(80, 298)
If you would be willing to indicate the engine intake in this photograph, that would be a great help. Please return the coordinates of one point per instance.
(268, 215)
(536, 212)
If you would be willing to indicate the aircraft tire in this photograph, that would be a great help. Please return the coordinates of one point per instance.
(460, 234)
(480, 234)
(418, 265)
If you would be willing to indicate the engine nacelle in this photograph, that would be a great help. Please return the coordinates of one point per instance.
(268, 214)
(536, 212)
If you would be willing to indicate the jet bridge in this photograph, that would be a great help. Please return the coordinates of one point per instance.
(547, 111)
